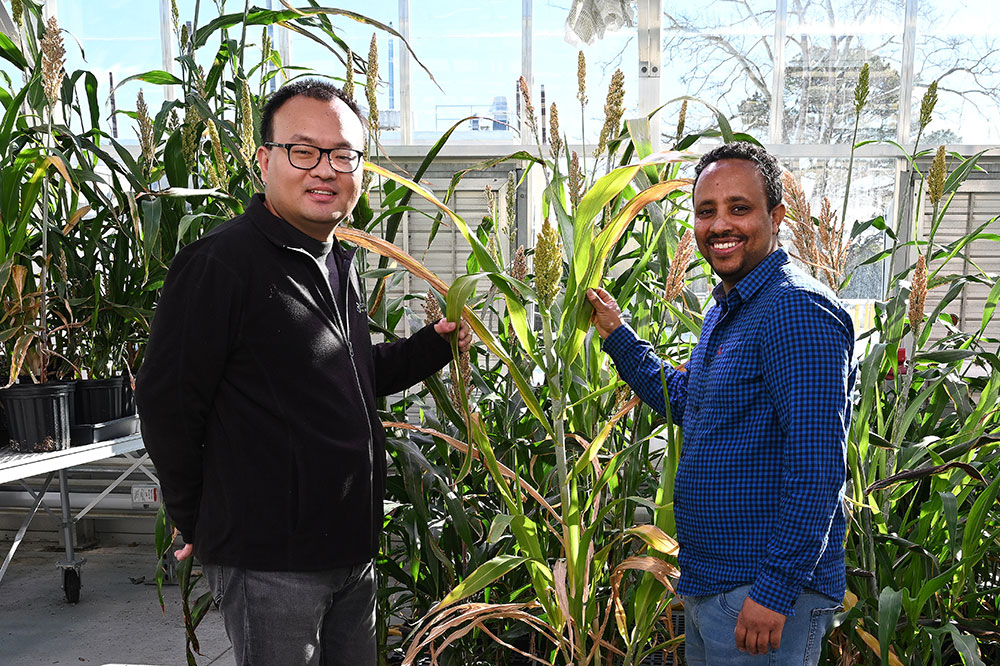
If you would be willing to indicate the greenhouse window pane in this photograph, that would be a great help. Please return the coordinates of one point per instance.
(124, 42)
(957, 45)
(871, 196)
(828, 43)
(721, 52)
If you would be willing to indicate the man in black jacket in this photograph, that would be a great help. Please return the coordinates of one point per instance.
(257, 398)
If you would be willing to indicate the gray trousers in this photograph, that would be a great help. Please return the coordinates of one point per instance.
(298, 618)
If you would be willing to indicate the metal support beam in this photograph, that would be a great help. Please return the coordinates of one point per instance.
(777, 120)
(7, 26)
(906, 75)
(650, 36)
(405, 82)
(284, 47)
(526, 61)
(167, 40)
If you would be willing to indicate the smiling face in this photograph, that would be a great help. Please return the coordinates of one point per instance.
(316, 200)
(733, 227)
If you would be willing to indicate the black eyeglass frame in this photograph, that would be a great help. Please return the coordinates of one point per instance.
(322, 151)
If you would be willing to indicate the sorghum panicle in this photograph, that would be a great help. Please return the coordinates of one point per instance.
(370, 93)
(529, 109)
(349, 75)
(145, 129)
(937, 177)
(53, 58)
(681, 119)
(519, 266)
(555, 140)
(432, 309)
(613, 110)
(17, 12)
(465, 369)
(215, 170)
(548, 264)
(581, 79)
(511, 199)
(927, 104)
(247, 143)
(918, 293)
(861, 89)
(189, 136)
(679, 266)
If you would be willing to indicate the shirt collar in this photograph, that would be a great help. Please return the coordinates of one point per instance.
(753, 281)
(282, 233)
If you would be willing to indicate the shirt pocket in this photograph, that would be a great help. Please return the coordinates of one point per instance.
(736, 378)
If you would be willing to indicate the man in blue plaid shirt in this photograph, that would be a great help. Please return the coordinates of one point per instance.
(764, 405)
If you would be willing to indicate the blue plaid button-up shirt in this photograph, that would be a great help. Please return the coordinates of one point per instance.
(764, 405)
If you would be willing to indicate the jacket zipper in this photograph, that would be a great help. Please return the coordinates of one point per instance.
(346, 331)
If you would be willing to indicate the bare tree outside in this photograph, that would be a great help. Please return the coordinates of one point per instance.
(723, 51)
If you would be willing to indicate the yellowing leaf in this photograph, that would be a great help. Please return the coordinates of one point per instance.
(655, 538)
(872, 642)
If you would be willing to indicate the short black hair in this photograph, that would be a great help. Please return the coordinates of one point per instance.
(768, 167)
(312, 88)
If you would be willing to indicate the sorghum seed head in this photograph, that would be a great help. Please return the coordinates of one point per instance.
(681, 119)
(529, 109)
(548, 264)
(937, 177)
(432, 309)
(145, 129)
(861, 89)
(219, 167)
(247, 143)
(581, 79)
(349, 76)
(370, 85)
(555, 140)
(53, 58)
(613, 110)
(679, 266)
(918, 293)
(189, 136)
(511, 198)
(927, 104)
(17, 12)
(519, 267)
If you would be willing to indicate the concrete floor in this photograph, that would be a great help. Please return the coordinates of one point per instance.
(117, 622)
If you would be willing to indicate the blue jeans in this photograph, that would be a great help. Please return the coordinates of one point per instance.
(298, 618)
(710, 631)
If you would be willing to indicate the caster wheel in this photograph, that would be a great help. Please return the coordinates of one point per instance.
(71, 585)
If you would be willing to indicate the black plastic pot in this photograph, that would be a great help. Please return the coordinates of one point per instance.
(98, 400)
(71, 383)
(38, 417)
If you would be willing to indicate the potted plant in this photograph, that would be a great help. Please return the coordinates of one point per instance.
(37, 411)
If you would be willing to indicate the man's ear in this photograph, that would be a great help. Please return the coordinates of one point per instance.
(777, 215)
(263, 158)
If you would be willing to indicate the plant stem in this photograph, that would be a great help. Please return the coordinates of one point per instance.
(44, 311)
(850, 170)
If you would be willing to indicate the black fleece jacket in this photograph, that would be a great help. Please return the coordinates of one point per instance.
(257, 400)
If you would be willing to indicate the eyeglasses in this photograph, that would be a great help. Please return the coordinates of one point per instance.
(305, 157)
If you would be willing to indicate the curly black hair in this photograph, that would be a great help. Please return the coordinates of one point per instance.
(768, 167)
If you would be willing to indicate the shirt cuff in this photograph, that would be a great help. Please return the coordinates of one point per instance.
(620, 339)
(773, 590)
